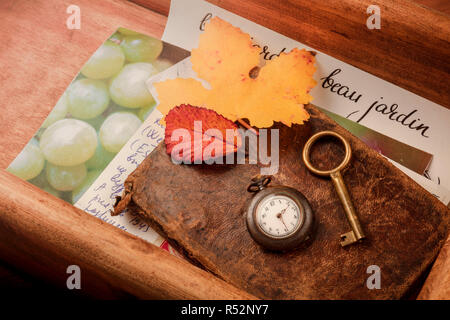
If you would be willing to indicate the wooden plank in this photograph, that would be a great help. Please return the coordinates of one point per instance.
(405, 226)
(407, 25)
(438, 5)
(161, 7)
(397, 53)
(411, 49)
(40, 56)
(10, 278)
(40, 233)
(437, 285)
(47, 235)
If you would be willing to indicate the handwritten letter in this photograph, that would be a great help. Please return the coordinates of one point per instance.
(99, 199)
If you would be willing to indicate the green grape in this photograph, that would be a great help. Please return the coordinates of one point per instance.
(84, 186)
(100, 159)
(41, 182)
(116, 37)
(34, 142)
(52, 191)
(65, 178)
(66, 196)
(97, 121)
(129, 89)
(141, 48)
(39, 133)
(113, 107)
(118, 129)
(29, 163)
(68, 142)
(105, 62)
(145, 111)
(126, 31)
(87, 98)
(59, 112)
(162, 64)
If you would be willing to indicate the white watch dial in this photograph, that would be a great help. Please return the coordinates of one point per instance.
(278, 216)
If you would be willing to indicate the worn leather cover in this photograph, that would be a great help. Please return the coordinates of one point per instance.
(200, 209)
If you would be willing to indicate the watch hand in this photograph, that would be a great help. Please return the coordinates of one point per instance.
(284, 210)
(279, 214)
(281, 218)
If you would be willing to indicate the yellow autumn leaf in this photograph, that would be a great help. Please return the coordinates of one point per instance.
(224, 59)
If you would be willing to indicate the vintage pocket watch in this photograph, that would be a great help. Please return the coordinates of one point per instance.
(279, 218)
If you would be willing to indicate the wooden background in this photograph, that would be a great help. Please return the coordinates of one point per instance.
(411, 49)
(39, 57)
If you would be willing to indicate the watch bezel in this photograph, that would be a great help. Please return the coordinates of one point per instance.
(287, 194)
(290, 241)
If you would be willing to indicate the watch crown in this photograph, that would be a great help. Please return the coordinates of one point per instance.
(259, 182)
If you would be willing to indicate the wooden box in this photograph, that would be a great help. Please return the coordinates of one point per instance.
(39, 57)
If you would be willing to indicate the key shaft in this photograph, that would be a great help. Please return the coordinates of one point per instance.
(350, 212)
(356, 234)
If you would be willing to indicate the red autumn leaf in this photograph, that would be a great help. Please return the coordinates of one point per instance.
(195, 134)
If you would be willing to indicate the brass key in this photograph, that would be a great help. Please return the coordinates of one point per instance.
(356, 234)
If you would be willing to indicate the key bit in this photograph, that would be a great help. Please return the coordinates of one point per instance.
(356, 234)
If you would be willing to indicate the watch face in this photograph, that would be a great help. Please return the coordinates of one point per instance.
(278, 216)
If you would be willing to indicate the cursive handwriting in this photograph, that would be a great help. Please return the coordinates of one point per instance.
(116, 179)
(97, 199)
(338, 88)
(138, 223)
(207, 17)
(155, 134)
(407, 119)
(100, 208)
(266, 54)
(140, 154)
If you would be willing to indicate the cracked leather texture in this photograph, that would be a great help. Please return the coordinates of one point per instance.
(201, 210)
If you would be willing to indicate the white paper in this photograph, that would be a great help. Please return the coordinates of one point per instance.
(183, 29)
(99, 199)
(183, 69)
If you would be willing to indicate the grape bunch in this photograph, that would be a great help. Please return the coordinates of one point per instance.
(94, 118)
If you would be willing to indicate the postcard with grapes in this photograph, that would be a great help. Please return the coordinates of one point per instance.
(104, 106)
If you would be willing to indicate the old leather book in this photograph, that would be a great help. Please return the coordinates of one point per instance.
(200, 209)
